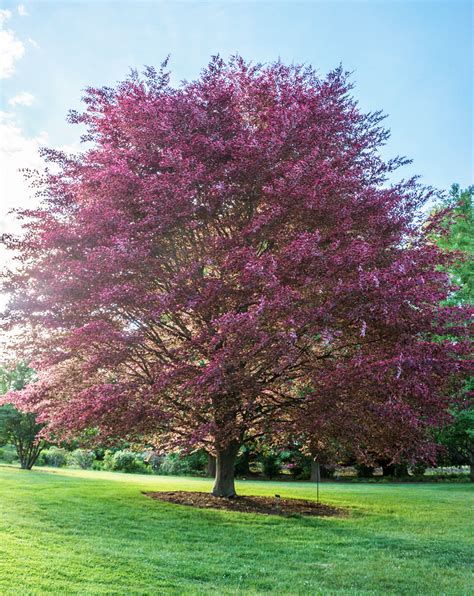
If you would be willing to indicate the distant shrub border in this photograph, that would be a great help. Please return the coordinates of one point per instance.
(195, 464)
(427, 478)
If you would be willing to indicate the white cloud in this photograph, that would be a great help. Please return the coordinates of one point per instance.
(22, 99)
(5, 15)
(11, 48)
(34, 43)
(22, 10)
(16, 151)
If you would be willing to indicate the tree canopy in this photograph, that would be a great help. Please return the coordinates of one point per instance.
(227, 261)
(18, 428)
(458, 236)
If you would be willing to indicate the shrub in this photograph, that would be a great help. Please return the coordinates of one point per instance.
(297, 464)
(99, 453)
(364, 471)
(327, 470)
(107, 461)
(197, 462)
(271, 465)
(8, 454)
(154, 460)
(125, 461)
(81, 458)
(244, 459)
(175, 464)
(419, 469)
(54, 456)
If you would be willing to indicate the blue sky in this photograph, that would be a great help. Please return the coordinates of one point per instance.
(413, 59)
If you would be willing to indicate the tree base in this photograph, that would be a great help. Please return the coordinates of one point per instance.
(231, 496)
(246, 504)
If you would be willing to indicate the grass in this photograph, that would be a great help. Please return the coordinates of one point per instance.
(71, 531)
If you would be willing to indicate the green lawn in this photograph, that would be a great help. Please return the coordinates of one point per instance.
(67, 531)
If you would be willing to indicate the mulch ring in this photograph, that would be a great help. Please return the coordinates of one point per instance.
(266, 505)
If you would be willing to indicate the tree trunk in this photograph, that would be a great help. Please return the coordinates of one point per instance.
(388, 469)
(211, 466)
(29, 456)
(394, 470)
(364, 471)
(225, 464)
(315, 471)
(401, 470)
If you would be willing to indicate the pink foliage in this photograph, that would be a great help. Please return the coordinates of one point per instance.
(228, 261)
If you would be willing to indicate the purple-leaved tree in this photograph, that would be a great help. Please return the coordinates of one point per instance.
(228, 261)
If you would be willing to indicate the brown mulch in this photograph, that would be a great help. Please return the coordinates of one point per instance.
(266, 505)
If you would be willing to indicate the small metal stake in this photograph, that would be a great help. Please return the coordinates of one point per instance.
(317, 482)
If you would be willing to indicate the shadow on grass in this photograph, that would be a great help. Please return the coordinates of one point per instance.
(89, 520)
